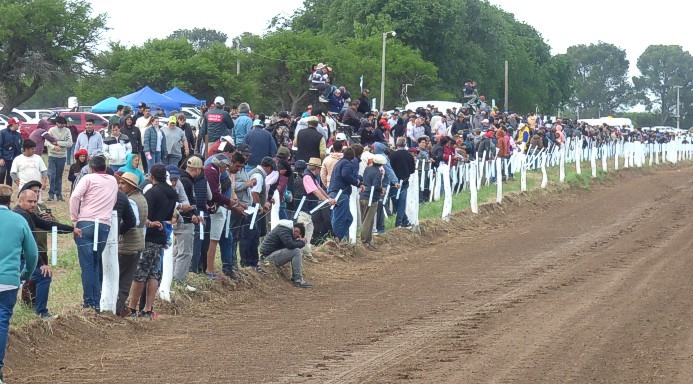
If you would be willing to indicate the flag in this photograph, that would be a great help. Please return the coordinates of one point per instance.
(361, 84)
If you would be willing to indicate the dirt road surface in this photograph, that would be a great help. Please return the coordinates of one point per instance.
(570, 287)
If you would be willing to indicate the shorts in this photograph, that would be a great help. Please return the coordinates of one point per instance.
(217, 224)
(148, 264)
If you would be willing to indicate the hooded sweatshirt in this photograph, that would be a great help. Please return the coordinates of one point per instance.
(128, 167)
(328, 166)
(40, 135)
(502, 144)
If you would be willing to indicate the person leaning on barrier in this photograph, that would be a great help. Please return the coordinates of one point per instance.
(36, 290)
(17, 244)
(92, 201)
(131, 243)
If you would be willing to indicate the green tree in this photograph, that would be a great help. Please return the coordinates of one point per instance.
(200, 37)
(41, 40)
(601, 73)
(663, 67)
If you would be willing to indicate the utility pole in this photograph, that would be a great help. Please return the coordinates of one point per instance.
(238, 57)
(678, 112)
(382, 75)
(506, 86)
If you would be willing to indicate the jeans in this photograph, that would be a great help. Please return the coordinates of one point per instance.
(43, 285)
(249, 241)
(70, 155)
(402, 220)
(7, 301)
(200, 248)
(156, 158)
(90, 261)
(284, 256)
(56, 167)
(228, 262)
(5, 173)
(172, 160)
(341, 217)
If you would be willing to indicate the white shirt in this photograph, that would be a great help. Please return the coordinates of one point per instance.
(28, 168)
(142, 122)
(159, 136)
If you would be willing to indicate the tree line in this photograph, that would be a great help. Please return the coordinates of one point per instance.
(439, 45)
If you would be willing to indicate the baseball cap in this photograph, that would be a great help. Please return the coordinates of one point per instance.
(173, 120)
(194, 162)
(141, 105)
(219, 100)
(13, 121)
(340, 136)
(228, 139)
(243, 149)
(173, 172)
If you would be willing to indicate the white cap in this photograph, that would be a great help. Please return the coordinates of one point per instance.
(341, 136)
(380, 159)
(219, 100)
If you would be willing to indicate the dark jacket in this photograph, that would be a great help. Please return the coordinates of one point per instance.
(135, 137)
(342, 178)
(484, 146)
(308, 144)
(261, 144)
(281, 237)
(36, 222)
(126, 216)
(189, 136)
(189, 187)
(161, 201)
(10, 144)
(215, 124)
(372, 177)
(403, 164)
(365, 104)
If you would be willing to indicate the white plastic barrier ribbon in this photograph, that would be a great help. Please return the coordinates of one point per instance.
(578, 160)
(96, 235)
(523, 172)
(544, 178)
(439, 182)
(561, 171)
(227, 222)
(605, 155)
(167, 273)
(354, 207)
(54, 246)
(274, 212)
(398, 190)
(370, 198)
(336, 198)
(499, 181)
(473, 203)
(300, 205)
(423, 177)
(444, 170)
(412, 206)
(202, 225)
(111, 269)
(593, 162)
(256, 208)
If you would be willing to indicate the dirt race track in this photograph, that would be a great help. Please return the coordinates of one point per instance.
(556, 287)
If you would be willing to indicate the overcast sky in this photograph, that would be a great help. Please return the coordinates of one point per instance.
(632, 25)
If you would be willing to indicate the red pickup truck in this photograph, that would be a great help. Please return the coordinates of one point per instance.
(79, 118)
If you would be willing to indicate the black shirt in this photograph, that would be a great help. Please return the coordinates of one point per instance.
(161, 199)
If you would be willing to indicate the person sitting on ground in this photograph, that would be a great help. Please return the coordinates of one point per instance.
(282, 245)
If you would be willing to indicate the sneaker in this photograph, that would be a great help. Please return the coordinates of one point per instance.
(311, 258)
(48, 316)
(148, 315)
(61, 198)
(370, 247)
(50, 199)
(232, 275)
(301, 283)
(261, 270)
(212, 276)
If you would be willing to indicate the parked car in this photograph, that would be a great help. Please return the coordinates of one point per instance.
(36, 114)
(79, 118)
(19, 115)
(3, 122)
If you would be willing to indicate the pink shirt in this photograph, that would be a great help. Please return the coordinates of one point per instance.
(94, 197)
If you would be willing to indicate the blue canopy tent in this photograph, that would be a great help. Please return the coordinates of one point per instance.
(184, 98)
(153, 99)
(108, 105)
